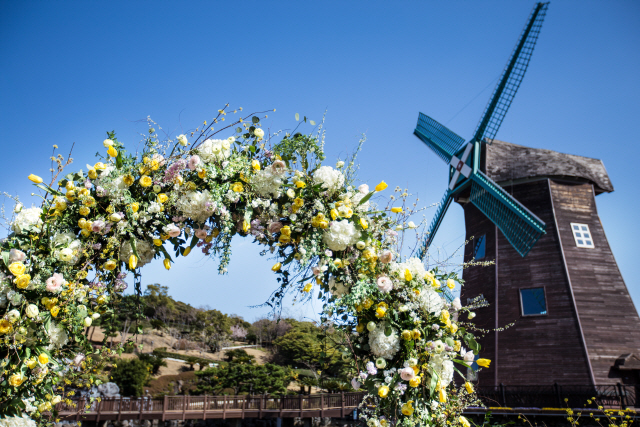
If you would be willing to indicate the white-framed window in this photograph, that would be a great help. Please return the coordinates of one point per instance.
(582, 235)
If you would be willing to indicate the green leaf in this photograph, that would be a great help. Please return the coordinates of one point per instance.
(387, 331)
(297, 117)
(134, 248)
(5, 258)
(365, 198)
(255, 119)
(312, 122)
(239, 129)
(119, 160)
(194, 242)
(48, 189)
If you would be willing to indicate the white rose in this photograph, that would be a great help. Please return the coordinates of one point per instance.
(259, 133)
(32, 311)
(182, 140)
(340, 164)
(87, 321)
(107, 143)
(13, 316)
(65, 255)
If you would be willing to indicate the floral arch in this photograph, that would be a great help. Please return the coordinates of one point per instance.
(64, 262)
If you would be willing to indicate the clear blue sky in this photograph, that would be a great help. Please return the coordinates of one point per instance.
(69, 71)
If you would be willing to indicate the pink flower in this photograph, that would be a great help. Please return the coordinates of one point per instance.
(16, 255)
(201, 234)
(97, 226)
(274, 227)
(194, 161)
(355, 384)
(172, 230)
(407, 374)
(279, 167)
(386, 257)
(385, 284)
(55, 282)
(317, 270)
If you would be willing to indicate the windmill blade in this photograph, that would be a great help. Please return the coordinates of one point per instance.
(435, 223)
(518, 224)
(512, 76)
(438, 137)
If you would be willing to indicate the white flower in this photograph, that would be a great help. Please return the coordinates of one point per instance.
(214, 150)
(107, 143)
(456, 304)
(23, 421)
(145, 251)
(87, 321)
(330, 178)
(268, 181)
(154, 207)
(66, 247)
(182, 140)
(443, 367)
(430, 301)
(196, 205)
(382, 345)
(57, 336)
(414, 265)
(338, 289)
(340, 235)
(355, 384)
(27, 218)
(384, 284)
(364, 189)
(411, 225)
(291, 193)
(259, 133)
(32, 311)
(340, 164)
(13, 316)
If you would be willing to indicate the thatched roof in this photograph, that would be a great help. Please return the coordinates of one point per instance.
(510, 163)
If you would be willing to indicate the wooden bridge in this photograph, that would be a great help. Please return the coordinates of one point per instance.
(206, 407)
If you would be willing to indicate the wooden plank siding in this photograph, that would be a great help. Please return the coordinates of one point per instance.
(609, 319)
(538, 349)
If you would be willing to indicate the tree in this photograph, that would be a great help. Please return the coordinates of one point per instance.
(238, 332)
(153, 360)
(244, 379)
(131, 376)
(239, 356)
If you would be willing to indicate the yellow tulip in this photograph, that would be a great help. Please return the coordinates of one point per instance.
(451, 283)
(99, 166)
(35, 179)
(31, 363)
(463, 421)
(307, 288)
(383, 391)
(380, 312)
(407, 275)
(381, 186)
(187, 251)
(167, 263)
(43, 359)
(301, 184)
(245, 225)
(416, 334)
(469, 387)
(276, 267)
(442, 395)
(334, 214)
(483, 362)
(407, 408)
(364, 224)
(112, 151)
(133, 262)
(157, 242)
(396, 210)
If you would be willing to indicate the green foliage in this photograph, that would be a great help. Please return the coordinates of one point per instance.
(239, 356)
(153, 360)
(131, 376)
(299, 147)
(244, 378)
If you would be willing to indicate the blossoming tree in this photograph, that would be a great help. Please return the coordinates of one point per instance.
(65, 261)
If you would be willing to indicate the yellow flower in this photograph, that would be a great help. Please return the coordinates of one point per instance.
(298, 202)
(179, 180)
(276, 267)
(35, 179)
(17, 268)
(202, 173)
(146, 181)
(301, 184)
(255, 165)
(415, 381)
(307, 288)
(110, 265)
(396, 210)
(416, 334)
(469, 387)
(285, 231)
(364, 224)
(360, 328)
(89, 202)
(407, 408)
(463, 421)
(444, 316)
(43, 359)
(191, 186)
(31, 363)
(112, 151)
(133, 262)
(380, 312)
(99, 166)
(134, 206)
(187, 251)
(157, 242)
(483, 362)
(162, 198)
(237, 187)
(22, 281)
(367, 303)
(167, 263)
(334, 214)
(55, 310)
(85, 233)
(407, 275)
(128, 179)
(451, 283)
(381, 186)
(84, 211)
(383, 391)
(102, 299)
(442, 395)
(5, 326)
(406, 335)
(16, 380)
(453, 328)
(70, 195)
(92, 174)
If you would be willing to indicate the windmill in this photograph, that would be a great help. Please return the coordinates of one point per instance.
(519, 225)
(574, 322)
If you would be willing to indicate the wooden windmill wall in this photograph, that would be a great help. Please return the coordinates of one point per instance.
(591, 320)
